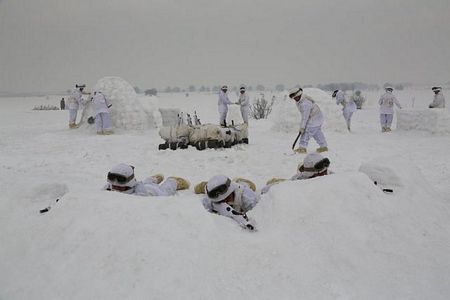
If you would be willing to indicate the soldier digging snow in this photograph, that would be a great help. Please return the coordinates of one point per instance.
(348, 106)
(74, 104)
(244, 102)
(438, 99)
(314, 165)
(223, 105)
(311, 121)
(386, 102)
(229, 199)
(121, 179)
(102, 117)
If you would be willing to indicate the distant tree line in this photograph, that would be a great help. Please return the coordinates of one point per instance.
(348, 86)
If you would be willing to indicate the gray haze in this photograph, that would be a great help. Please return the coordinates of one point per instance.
(48, 45)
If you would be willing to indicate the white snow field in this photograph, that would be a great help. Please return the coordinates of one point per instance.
(333, 237)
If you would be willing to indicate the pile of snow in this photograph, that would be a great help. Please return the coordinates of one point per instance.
(286, 117)
(316, 239)
(432, 120)
(128, 111)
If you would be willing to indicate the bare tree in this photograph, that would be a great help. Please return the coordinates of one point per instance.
(261, 108)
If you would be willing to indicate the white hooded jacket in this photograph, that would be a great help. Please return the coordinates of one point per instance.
(348, 106)
(310, 112)
(438, 101)
(100, 103)
(75, 100)
(387, 102)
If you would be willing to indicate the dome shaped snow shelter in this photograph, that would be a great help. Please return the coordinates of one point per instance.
(127, 112)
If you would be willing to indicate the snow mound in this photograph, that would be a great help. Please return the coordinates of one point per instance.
(430, 120)
(354, 242)
(286, 116)
(128, 111)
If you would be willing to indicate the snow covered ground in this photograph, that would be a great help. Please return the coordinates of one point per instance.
(334, 237)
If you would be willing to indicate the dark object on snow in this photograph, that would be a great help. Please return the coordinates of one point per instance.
(62, 104)
(44, 210)
(296, 139)
(91, 120)
(163, 146)
(245, 140)
(387, 191)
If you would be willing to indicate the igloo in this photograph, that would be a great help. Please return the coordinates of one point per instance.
(127, 111)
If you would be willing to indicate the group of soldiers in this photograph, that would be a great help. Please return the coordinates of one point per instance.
(100, 104)
(223, 196)
(234, 198)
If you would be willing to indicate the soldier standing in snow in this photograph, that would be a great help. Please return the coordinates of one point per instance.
(62, 104)
(348, 106)
(74, 104)
(102, 118)
(121, 179)
(244, 102)
(386, 102)
(230, 199)
(311, 121)
(438, 100)
(223, 105)
(314, 165)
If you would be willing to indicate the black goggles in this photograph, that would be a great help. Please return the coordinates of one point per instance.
(219, 190)
(119, 178)
(318, 166)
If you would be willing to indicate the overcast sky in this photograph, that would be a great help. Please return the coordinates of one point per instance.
(49, 45)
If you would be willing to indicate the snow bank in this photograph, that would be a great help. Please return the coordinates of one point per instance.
(432, 120)
(317, 239)
(128, 111)
(286, 117)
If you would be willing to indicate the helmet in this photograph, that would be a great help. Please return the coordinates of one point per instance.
(121, 177)
(314, 163)
(80, 86)
(334, 93)
(357, 93)
(388, 88)
(219, 187)
(295, 92)
(436, 89)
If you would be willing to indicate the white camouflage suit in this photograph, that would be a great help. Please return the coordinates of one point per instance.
(244, 200)
(244, 102)
(311, 121)
(349, 107)
(438, 101)
(223, 106)
(74, 104)
(386, 102)
(101, 108)
(149, 187)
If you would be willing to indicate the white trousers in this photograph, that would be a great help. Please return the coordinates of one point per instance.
(386, 120)
(245, 110)
(73, 116)
(102, 122)
(313, 132)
